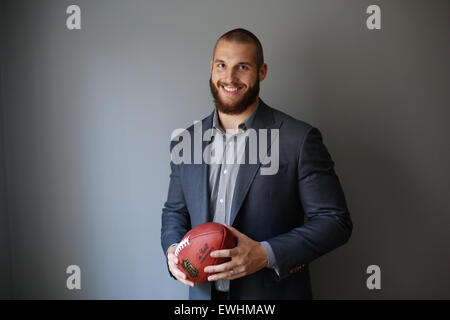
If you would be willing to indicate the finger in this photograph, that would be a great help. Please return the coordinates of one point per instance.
(220, 267)
(187, 282)
(173, 266)
(230, 274)
(177, 273)
(180, 276)
(219, 276)
(172, 257)
(239, 272)
(225, 275)
(225, 253)
(237, 276)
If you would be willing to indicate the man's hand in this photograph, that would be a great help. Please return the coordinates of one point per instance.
(172, 260)
(247, 257)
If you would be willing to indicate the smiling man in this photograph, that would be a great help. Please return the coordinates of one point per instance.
(236, 70)
(266, 213)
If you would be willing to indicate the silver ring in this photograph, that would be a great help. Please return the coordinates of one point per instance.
(232, 272)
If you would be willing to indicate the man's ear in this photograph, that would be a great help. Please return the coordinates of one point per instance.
(263, 72)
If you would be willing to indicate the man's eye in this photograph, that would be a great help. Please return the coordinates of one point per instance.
(242, 67)
(221, 65)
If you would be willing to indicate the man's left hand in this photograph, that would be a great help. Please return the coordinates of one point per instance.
(247, 257)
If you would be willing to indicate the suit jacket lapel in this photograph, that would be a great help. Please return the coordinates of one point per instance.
(264, 119)
(200, 172)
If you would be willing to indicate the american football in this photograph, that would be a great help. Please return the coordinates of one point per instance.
(194, 249)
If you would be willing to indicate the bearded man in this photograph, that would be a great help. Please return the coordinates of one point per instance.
(282, 221)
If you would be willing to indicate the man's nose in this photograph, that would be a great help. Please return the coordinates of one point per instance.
(231, 76)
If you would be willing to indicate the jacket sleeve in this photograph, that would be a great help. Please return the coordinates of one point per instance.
(175, 219)
(328, 224)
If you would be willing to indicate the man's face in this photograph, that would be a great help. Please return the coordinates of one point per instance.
(235, 77)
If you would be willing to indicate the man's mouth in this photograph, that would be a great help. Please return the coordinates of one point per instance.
(230, 90)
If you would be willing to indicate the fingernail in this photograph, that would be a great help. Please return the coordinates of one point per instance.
(206, 269)
(211, 278)
(213, 254)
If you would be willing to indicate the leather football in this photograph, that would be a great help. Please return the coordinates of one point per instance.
(194, 249)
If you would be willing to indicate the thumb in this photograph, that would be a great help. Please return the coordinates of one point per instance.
(235, 232)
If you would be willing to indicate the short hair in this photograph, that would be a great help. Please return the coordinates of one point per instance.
(244, 36)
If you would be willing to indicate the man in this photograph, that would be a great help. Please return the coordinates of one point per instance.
(266, 212)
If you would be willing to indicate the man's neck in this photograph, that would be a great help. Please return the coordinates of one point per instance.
(232, 121)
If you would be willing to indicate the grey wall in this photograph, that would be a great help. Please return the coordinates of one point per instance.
(5, 261)
(88, 115)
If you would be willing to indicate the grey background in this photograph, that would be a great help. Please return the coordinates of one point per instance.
(87, 116)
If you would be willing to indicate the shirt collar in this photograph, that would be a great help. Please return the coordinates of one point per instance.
(244, 125)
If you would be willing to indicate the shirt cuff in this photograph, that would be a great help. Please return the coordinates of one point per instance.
(271, 260)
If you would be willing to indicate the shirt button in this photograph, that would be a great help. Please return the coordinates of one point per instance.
(225, 171)
(221, 200)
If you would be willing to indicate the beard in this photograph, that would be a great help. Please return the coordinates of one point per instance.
(240, 105)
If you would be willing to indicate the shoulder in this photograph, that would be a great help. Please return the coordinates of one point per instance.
(297, 137)
(291, 127)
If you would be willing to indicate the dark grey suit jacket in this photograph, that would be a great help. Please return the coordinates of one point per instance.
(301, 211)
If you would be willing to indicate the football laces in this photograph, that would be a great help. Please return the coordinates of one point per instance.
(181, 245)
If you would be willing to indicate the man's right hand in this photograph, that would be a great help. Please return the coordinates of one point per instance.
(172, 260)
